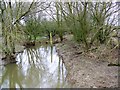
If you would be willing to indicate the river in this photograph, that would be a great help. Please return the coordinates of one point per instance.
(38, 67)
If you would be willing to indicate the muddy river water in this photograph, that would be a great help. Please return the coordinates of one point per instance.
(38, 67)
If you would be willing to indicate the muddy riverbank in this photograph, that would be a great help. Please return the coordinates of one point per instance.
(88, 70)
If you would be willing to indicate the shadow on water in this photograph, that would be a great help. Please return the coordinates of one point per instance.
(36, 68)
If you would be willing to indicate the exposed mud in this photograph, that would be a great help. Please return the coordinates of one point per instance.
(89, 70)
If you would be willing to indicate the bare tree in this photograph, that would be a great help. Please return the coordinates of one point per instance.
(11, 14)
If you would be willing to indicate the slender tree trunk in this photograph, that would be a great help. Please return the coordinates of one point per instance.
(59, 23)
(12, 45)
(4, 33)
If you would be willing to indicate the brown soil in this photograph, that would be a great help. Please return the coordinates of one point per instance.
(29, 44)
(88, 70)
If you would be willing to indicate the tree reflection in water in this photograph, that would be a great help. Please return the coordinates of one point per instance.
(36, 67)
(12, 76)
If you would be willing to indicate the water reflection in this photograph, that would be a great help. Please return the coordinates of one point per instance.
(36, 68)
(12, 76)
